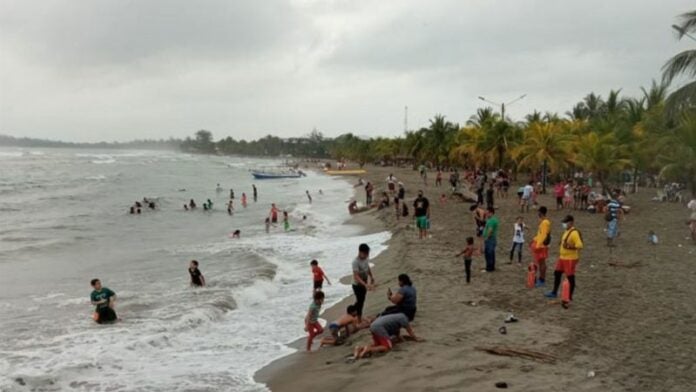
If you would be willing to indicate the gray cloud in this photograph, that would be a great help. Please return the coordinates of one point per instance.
(92, 70)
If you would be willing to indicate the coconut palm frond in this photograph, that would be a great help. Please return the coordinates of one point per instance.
(680, 99)
(682, 63)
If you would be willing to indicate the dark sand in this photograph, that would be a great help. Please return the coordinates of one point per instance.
(635, 328)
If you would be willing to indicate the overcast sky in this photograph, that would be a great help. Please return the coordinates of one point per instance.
(91, 70)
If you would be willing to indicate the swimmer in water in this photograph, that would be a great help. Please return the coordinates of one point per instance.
(274, 213)
(192, 204)
(197, 279)
(244, 200)
(218, 189)
(230, 207)
(231, 193)
(132, 210)
(256, 193)
(268, 225)
(103, 299)
(237, 233)
(286, 221)
(309, 197)
(186, 207)
(210, 204)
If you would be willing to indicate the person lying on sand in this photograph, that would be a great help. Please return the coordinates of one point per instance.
(386, 331)
(341, 328)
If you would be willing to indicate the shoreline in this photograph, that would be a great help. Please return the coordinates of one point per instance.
(615, 336)
(369, 223)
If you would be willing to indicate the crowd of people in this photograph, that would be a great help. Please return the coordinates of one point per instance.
(574, 194)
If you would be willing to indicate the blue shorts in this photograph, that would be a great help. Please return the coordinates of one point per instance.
(612, 229)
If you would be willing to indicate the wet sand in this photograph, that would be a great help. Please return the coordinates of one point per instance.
(633, 325)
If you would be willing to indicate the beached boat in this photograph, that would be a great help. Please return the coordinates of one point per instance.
(272, 174)
(356, 172)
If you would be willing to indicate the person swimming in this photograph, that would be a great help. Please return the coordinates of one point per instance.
(192, 204)
(237, 233)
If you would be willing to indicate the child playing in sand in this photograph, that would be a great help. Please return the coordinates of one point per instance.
(318, 275)
(344, 323)
(468, 254)
(312, 325)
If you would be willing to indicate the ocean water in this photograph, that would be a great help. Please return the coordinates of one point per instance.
(64, 221)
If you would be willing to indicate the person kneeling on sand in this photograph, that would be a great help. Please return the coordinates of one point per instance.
(385, 330)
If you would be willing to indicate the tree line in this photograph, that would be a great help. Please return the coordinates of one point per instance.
(652, 134)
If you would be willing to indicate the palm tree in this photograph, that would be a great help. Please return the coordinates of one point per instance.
(483, 117)
(679, 152)
(578, 112)
(543, 143)
(599, 154)
(438, 138)
(469, 147)
(533, 117)
(595, 106)
(682, 64)
(656, 95)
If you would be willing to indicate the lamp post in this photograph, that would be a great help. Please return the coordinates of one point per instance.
(502, 105)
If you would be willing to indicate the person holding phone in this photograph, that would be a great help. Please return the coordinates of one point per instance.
(404, 300)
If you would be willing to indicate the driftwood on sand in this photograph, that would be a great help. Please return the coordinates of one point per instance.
(518, 352)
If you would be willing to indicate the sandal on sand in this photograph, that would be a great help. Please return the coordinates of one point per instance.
(511, 318)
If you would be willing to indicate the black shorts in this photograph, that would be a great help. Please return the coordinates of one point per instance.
(559, 200)
(318, 284)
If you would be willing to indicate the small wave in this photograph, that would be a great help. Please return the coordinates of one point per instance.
(103, 161)
(100, 177)
(11, 154)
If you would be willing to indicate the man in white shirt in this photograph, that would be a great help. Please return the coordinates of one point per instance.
(527, 192)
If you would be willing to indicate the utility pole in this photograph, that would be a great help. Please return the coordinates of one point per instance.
(405, 119)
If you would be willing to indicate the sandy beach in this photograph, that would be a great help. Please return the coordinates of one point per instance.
(630, 327)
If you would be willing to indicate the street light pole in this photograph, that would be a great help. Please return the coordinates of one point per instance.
(502, 105)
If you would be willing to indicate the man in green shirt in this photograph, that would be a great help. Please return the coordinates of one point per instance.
(490, 235)
(103, 299)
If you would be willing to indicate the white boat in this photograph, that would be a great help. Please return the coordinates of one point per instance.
(275, 173)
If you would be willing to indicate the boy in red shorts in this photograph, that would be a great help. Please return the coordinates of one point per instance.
(312, 326)
(571, 244)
